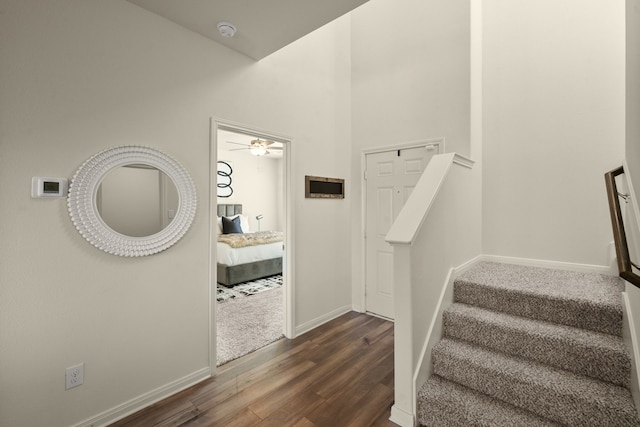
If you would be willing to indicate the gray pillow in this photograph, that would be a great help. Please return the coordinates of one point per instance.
(231, 226)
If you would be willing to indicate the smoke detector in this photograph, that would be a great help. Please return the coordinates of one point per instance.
(226, 29)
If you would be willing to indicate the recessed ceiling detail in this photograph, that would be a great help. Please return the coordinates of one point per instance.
(263, 27)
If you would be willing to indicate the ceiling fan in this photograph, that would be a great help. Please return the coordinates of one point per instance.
(257, 147)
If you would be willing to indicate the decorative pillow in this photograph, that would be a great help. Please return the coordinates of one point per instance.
(231, 226)
(244, 223)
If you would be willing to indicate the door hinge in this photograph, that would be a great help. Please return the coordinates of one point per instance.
(365, 175)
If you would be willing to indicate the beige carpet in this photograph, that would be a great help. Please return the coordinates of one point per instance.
(247, 324)
(526, 346)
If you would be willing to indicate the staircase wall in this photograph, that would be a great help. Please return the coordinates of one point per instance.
(553, 121)
(632, 92)
(438, 228)
(631, 296)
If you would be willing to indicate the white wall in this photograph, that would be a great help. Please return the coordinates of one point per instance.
(632, 153)
(256, 186)
(553, 125)
(79, 76)
(410, 82)
(632, 147)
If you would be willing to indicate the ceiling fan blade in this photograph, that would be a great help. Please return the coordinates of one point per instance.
(275, 148)
(236, 143)
(239, 149)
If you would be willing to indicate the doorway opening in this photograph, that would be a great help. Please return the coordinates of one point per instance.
(251, 240)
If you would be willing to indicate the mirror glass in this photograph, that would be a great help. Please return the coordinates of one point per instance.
(132, 201)
(137, 200)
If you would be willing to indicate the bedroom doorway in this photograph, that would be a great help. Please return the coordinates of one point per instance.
(390, 176)
(251, 240)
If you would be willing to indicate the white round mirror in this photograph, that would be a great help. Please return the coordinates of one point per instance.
(132, 201)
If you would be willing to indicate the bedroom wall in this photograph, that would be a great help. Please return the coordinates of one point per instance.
(553, 125)
(79, 76)
(410, 82)
(255, 186)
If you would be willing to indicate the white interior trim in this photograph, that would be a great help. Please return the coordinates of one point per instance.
(556, 265)
(140, 402)
(415, 210)
(361, 305)
(288, 260)
(463, 161)
(401, 417)
(314, 323)
(630, 340)
(436, 328)
(635, 206)
(439, 142)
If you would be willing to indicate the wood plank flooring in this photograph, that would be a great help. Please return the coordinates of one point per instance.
(339, 374)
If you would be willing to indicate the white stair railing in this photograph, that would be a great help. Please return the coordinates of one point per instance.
(438, 228)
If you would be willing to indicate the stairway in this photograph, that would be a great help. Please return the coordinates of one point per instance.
(527, 346)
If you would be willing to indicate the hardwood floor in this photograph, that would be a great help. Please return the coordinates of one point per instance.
(339, 374)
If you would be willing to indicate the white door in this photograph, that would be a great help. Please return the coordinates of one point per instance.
(390, 177)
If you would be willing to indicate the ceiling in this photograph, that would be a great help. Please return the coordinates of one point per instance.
(263, 26)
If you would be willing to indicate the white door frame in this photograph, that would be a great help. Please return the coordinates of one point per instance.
(288, 259)
(438, 142)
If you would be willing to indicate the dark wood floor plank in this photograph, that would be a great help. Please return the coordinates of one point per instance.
(293, 410)
(339, 374)
(223, 410)
(304, 423)
(343, 404)
(271, 402)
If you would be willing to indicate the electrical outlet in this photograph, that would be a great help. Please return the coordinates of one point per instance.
(74, 376)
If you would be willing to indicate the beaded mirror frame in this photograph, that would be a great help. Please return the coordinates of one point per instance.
(82, 206)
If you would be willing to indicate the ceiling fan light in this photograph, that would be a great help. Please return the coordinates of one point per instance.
(258, 148)
(258, 151)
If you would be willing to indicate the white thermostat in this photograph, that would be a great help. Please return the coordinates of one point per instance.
(44, 186)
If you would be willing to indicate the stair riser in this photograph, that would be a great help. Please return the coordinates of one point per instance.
(545, 400)
(560, 311)
(606, 364)
(446, 404)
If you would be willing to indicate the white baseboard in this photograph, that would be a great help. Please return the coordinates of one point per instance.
(314, 323)
(556, 265)
(434, 334)
(402, 417)
(630, 340)
(134, 405)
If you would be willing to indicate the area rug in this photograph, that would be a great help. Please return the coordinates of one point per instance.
(247, 324)
(227, 293)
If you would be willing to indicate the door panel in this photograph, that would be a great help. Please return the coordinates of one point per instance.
(391, 176)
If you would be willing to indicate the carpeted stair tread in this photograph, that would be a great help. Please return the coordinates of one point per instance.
(556, 296)
(442, 403)
(583, 352)
(549, 392)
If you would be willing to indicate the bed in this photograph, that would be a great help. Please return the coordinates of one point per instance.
(250, 256)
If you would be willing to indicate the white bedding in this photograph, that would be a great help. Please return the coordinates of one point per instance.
(230, 256)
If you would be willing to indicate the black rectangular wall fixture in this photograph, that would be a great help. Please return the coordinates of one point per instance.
(317, 187)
